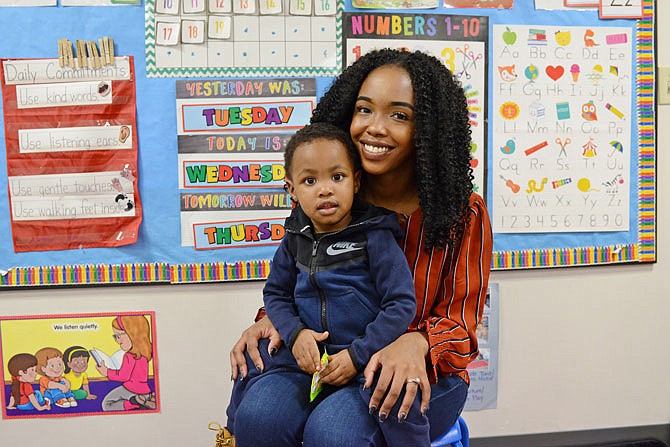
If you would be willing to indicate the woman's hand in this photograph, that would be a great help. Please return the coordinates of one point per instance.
(102, 369)
(402, 360)
(248, 341)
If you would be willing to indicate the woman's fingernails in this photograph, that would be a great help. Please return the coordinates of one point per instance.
(401, 418)
(232, 378)
(259, 367)
(273, 351)
(373, 409)
(424, 411)
(382, 417)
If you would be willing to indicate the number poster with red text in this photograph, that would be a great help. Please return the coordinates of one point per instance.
(71, 154)
(232, 135)
(459, 41)
(563, 111)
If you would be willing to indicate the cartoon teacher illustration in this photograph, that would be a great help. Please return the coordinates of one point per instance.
(133, 334)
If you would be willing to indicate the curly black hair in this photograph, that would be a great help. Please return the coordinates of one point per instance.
(321, 131)
(442, 135)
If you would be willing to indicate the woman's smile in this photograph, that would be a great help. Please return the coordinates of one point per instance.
(383, 122)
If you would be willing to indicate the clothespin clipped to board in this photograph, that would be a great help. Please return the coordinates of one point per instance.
(89, 53)
(65, 55)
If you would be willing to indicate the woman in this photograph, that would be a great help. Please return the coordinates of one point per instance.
(408, 117)
(133, 334)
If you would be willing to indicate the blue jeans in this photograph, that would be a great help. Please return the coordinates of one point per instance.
(54, 394)
(29, 405)
(272, 409)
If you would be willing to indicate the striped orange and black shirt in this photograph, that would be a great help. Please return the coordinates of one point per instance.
(450, 289)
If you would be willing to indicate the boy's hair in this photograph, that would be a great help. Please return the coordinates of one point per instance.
(441, 134)
(43, 356)
(72, 353)
(320, 131)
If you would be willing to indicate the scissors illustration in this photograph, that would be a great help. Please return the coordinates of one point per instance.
(562, 143)
(469, 60)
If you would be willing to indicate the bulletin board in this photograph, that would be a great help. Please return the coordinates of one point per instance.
(625, 96)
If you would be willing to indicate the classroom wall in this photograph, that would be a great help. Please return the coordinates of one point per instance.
(580, 348)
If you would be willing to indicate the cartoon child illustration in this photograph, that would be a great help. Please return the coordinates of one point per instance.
(53, 385)
(76, 364)
(132, 333)
(23, 368)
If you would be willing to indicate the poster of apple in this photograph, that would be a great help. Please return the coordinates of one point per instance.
(458, 41)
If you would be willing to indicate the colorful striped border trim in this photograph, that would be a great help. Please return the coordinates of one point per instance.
(645, 249)
(220, 271)
(99, 274)
(562, 257)
(646, 129)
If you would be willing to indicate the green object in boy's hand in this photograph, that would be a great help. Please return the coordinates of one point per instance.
(316, 387)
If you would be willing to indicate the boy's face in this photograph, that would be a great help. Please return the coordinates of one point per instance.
(323, 181)
(54, 367)
(28, 375)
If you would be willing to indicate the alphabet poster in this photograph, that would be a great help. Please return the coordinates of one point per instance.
(78, 364)
(232, 135)
(562, 130)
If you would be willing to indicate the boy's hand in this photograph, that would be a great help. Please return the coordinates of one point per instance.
(306, 351)
(340, 369)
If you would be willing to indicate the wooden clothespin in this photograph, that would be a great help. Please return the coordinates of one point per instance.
(81, 54)
(96, 55)
(70, 55)
(111, 51)
(61, 50)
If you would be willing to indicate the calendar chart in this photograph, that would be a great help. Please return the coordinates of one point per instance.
(243, 37)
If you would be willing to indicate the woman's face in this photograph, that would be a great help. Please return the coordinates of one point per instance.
(122, 339)
(383, 122)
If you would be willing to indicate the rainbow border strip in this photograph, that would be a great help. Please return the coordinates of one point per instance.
(86, 274)
(147, 273)
(645, 249)
(220, 271)
(646, 129)
(562, 257)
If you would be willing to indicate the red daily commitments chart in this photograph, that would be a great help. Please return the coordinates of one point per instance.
(71, 154)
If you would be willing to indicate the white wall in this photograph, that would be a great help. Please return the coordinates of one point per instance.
(580, 348)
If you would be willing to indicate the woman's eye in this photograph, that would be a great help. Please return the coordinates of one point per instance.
(362, 109)
(338, 177)
(400, 116)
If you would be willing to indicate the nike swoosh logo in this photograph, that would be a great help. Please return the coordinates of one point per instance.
(332, 250)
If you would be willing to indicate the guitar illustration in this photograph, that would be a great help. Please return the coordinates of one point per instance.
(511, 185)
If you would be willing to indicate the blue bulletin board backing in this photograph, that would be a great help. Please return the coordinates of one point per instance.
(157, 256)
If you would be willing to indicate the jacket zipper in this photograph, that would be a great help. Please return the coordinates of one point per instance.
(312, 270)
(312, 279)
